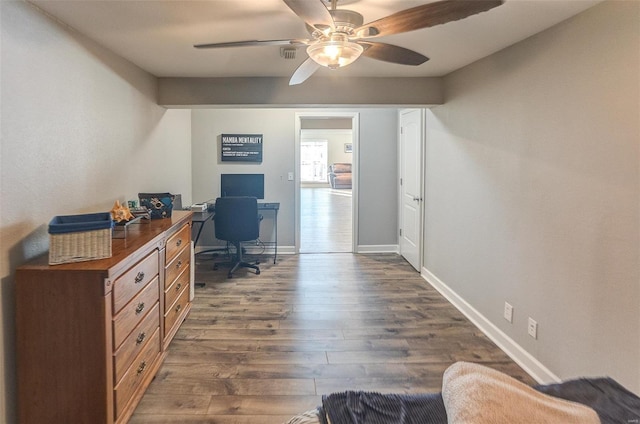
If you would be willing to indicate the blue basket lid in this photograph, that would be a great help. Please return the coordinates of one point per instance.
(76, 223)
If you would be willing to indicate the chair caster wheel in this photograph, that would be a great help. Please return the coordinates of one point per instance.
(229, 275)
(258, 272)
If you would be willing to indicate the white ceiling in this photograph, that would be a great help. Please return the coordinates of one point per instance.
(158, 35)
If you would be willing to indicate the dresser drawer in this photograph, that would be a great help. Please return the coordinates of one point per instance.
(174, 311)
(172, 293)
(136, 373)
(131, 315)
(132, 281)
(177, 242)
(175, 267)
(135, 343)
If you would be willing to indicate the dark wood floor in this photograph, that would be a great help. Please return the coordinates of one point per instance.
(325, 220)
(262, 348)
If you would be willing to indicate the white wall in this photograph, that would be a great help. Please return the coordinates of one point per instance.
(337, 152)
(336, 139)
(533, 192)
(80, 128)
(378, 166)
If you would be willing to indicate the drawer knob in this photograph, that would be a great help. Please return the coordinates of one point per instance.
(178, 308)
(142, 367)
(140, 308)
(179, 264)
(178, 286)
(139, 277)
(141, 338)
(178, 243)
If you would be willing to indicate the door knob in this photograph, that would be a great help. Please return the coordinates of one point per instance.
(417, 199)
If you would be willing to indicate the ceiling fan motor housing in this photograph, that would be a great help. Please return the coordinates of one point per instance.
(346, 21)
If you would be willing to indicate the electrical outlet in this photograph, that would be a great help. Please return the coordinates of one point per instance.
(532, 328)
(508, 312)
(290, 176)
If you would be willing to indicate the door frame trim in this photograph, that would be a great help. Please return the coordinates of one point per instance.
(421, 171)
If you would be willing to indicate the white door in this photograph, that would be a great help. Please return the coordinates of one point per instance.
(410, 185)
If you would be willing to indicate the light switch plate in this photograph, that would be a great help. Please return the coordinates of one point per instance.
(532, 328)
(508, 312)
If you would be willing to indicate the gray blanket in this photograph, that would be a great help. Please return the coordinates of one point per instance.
(613, 403)
(376, 408)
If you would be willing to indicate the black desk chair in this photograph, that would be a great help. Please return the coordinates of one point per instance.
(237, 220)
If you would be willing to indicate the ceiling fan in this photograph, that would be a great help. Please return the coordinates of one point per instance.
(339, 37)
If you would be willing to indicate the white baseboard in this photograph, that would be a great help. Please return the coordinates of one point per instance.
(527, 362)
(284, 250)
(291, 250)
(268, 250)
(377, 248)
(201, 248)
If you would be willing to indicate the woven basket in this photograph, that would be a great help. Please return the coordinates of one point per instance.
(79, 238)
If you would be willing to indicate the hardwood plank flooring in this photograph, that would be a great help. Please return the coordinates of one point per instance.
(262, 348)
(325, 220)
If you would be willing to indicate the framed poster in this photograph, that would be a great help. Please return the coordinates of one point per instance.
(241, 148)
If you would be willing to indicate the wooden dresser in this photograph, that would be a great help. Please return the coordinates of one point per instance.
(92, 335)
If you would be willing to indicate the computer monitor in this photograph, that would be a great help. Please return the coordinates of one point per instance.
(251, 185)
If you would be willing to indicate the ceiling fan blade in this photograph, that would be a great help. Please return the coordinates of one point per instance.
(425, 16)
(313, 12)
(252, 43)
(303, 72)
(391, 53)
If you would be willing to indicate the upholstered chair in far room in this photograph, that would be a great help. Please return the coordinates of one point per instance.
(339, 175)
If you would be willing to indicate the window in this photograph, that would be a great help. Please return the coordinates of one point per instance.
(313, 161)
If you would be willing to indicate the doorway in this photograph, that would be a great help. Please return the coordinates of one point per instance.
(326, 143)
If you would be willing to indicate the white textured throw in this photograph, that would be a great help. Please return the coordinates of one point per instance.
(475, 394)
(309, 417)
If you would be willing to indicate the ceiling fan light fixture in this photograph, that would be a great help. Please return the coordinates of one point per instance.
(335, 52)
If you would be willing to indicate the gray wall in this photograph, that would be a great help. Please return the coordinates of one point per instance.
(532, 192)
(378, 178)
(315, 92)
(276, 126)
(80, 128)
(378, 166)
(326, 123)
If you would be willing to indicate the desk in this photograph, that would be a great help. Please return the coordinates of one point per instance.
(272, 206)
(202, 217)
